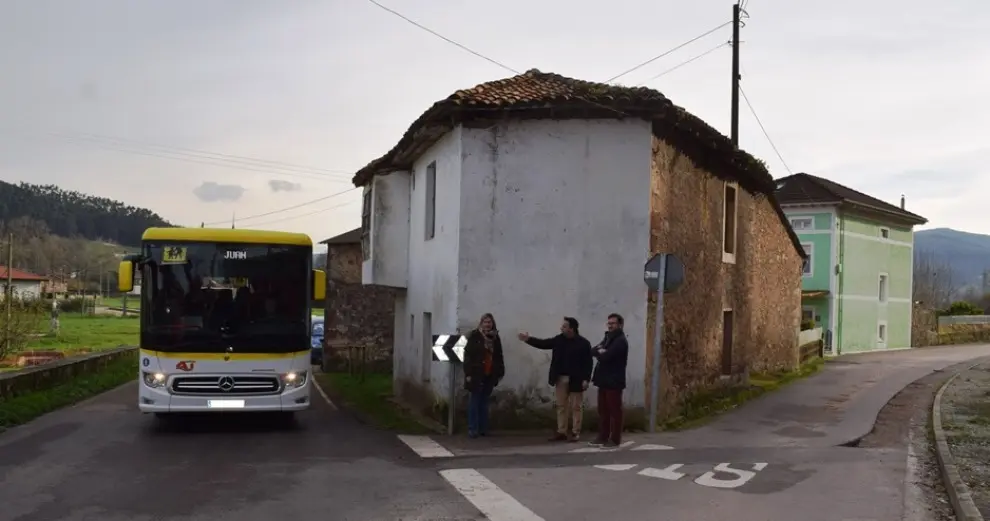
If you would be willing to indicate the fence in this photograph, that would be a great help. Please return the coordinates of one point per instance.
(953, 320)
(810, 344)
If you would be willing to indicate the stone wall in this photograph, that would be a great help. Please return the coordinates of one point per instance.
(359, 318)
(46, 376)
(762, 287)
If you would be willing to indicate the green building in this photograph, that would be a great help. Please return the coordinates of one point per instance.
(858, 276)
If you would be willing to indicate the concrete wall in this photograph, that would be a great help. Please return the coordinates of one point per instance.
(358, 316)
(23, 289)
(388, 264)
(822, 240)
(432, 267)
(762, 287)
(554, 221)
(15, 383)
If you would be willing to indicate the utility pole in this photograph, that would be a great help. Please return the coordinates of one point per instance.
(8, 293)
(735, 75)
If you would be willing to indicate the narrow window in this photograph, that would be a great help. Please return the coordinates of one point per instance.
(809, 250)
(727, 342)
(882, 332)
(885, 233)
(883, 287)
(802, 223)
(366, 224)
(729, 221)
(431, 200)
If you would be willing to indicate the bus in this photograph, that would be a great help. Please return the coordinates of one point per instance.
(225, 319)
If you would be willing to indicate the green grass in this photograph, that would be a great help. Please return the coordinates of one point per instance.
(81, 333)
(26, 407)
(371, 400)
(704, 407)
(133, 302)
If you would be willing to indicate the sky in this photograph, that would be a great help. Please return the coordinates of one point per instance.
(253, 109)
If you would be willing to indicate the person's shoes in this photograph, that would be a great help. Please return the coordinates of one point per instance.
(558, 437)
(472, 435)
(610, 444)
(574, 438)
(596, 443)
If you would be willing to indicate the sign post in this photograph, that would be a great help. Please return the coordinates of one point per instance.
(663, 272)
(450, 349)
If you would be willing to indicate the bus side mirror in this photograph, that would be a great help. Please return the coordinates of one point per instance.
(319, 284)
(125, 276)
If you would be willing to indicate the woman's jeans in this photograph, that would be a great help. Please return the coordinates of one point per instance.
(478, 410)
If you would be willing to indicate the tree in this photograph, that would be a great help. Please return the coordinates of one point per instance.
(933, 286)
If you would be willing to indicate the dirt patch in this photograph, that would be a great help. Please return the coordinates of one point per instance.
(966, 420)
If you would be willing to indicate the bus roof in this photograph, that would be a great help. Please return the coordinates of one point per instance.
(226, 235)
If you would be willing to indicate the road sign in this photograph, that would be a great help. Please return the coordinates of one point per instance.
(449, 348)
(673, 275)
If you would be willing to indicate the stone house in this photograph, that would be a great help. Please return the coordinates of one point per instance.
(357, 317)
(540, 196)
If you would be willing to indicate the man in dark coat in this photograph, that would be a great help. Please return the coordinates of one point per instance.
(570, 374)
(610, 378)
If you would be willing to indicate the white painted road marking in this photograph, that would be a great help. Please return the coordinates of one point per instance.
(652, 447)
(619, 467)
(323, 394)
(602, 449)
(669, 473)
(492, 501)
(425, 447)
(708, 479)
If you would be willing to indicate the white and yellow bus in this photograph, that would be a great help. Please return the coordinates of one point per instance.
(225, 319)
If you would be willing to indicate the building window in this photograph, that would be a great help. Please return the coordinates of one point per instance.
(366, 224)
(807, 314)
(882, 332)
(806, 268)
(802, 223)
(431, 201)
(883, 287)
(729, 223)
(885, 233)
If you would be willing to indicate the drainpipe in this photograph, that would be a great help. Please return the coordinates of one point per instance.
(836, 342)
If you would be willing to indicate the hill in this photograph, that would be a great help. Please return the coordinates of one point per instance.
(967, 253)
(73, 214)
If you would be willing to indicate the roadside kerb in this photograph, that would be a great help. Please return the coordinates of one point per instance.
(962, 501)
(41, 377)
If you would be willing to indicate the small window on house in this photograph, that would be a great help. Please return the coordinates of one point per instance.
(802, 223)
(885, 233)
(806, 268)
(883, 287)
(729, 222)
(366, 224)
(431, 201)
(882, 332)
(807, 314)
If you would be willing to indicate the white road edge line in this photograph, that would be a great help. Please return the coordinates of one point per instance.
(425, 446)
(324, 394)
(495, 503)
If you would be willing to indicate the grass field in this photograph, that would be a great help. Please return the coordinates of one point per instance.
(118, 302)
(80, 334)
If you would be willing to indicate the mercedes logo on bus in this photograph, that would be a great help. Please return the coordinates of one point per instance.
(225, 383)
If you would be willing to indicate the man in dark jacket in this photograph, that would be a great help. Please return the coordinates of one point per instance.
(610, 378)
(570, 374)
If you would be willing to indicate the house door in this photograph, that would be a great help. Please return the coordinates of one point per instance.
(727, 342)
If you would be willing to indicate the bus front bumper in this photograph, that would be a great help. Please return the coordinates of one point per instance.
(159, 400)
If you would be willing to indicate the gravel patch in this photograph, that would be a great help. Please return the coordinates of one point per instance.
(966, 421)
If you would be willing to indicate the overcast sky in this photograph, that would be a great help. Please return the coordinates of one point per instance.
(201, 110)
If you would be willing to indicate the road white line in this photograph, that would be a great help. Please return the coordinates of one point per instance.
(425, 447)
(492, 501)
(652, 447)
(324, 394)
(618, 468)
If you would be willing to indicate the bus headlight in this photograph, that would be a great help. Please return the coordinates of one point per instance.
(154, 380)
(293, 379)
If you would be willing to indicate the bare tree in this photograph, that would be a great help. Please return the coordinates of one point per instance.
(934, 284)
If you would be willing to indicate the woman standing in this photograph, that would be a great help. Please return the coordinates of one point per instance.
(484, 367)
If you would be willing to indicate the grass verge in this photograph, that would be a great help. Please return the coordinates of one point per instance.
(83, 333)
(704, 407)
(26, 407)
(371, 400)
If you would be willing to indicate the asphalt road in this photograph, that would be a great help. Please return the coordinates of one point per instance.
(776, 459)
(103, 460)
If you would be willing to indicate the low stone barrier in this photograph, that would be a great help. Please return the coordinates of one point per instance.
(41, 377)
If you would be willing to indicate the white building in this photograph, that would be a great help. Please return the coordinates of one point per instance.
(532, 215)
(25, 285)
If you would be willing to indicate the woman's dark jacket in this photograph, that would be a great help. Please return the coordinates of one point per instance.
(611, 370)
(474, 362)
(569, 356)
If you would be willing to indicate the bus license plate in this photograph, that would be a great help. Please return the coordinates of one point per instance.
(225, 404)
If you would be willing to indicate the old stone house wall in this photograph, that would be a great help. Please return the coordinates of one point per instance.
(359, 318)
(762, 288)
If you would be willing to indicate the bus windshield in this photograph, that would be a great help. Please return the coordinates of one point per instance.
(208, 297)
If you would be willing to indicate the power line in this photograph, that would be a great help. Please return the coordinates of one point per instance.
(293, 207)
(765, 133)
(685, 62)
(307, 214)
(665, 53)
